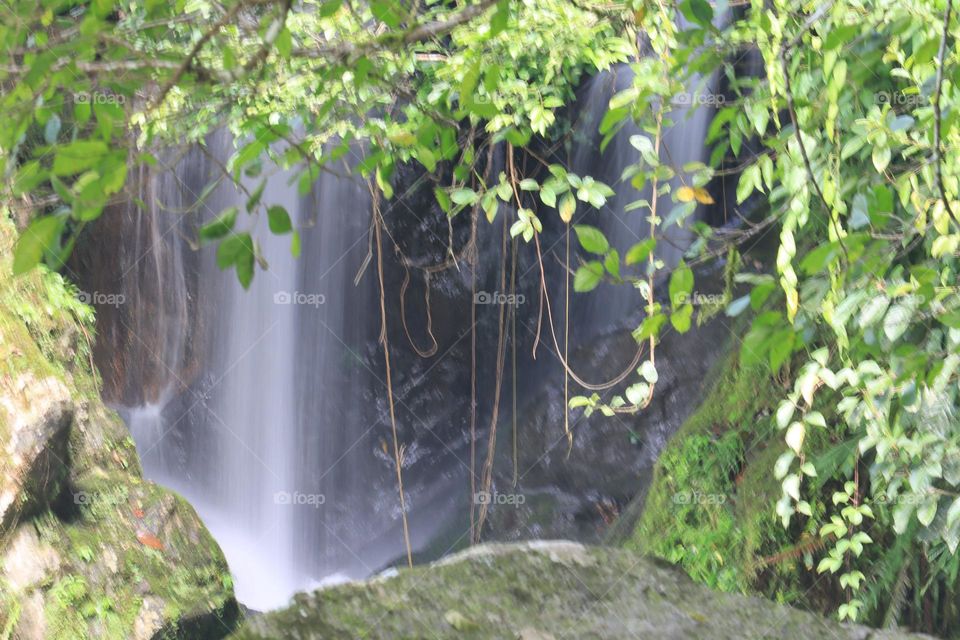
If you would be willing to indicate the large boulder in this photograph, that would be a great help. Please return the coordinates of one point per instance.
(542, 591)
(88, 548)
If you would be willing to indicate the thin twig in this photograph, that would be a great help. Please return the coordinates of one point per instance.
(937, 117)
(397, 457)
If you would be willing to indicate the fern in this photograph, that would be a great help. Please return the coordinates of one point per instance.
(888, 590)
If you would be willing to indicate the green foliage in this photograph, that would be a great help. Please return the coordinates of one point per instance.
(853, 132)
(76, 124)
(849, 135)
(708, 508)
(702, 531)
(873, 303)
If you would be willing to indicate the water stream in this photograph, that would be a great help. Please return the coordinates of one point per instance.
(265, 407)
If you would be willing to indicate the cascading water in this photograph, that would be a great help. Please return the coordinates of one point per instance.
(250, 413)
(682, 143)
(270, 429)
(265, 407)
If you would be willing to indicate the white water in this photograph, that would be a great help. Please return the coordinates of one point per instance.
(682, 143)
(268, 420)
(271, 441)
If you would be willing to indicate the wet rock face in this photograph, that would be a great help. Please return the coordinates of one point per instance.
(40, 413)
(88, 549)
(542, 590)
(576, 489)
(138, 270)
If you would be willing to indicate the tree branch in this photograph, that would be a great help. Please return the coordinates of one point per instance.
(345, 51)
(187, 62)
(937, 116)
(792, 109)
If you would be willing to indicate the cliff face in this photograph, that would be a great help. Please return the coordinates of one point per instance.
(542, 591)
(88, 548)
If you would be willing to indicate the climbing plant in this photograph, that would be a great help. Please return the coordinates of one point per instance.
(857, 116)
(848, 136)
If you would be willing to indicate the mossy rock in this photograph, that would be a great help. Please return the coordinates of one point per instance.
(88, 548)
(541, 591)
(710, 506)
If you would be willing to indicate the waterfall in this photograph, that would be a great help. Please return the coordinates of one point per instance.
(683, 142)
(266, 407)
(266, 415)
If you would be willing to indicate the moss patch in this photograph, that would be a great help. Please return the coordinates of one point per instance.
(710, 506)
(101, 553)
(539, 590)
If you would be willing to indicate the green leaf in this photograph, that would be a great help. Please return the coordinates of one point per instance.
(568, 204)
(464, 197)
(490, 205)
(791, 486)
(387, 11)
(591, 239)
(748, 180)
(443, 199)
(500, 17)
(78, 156)
(28, 178)
(637, 393)
(295, 244)
(650, 328)
(548, 196)
(874, 310)
(640, 251)
(279, 220)
(40, 237)
(737, 307)
(782, 466)
(897, 321)
(330, 7)
(587, 277)
(927, 511)
(681, 284)
(284, 43)
(950, 319)
(52, 129)
(648, 371)
(680, 318)
(816, 419)
(612, 263)
(953, 513)
(785, 413)
(220, 226)
(698, 11)
(881, 157)
(795, 436)
(237, 251)
(901, 516)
